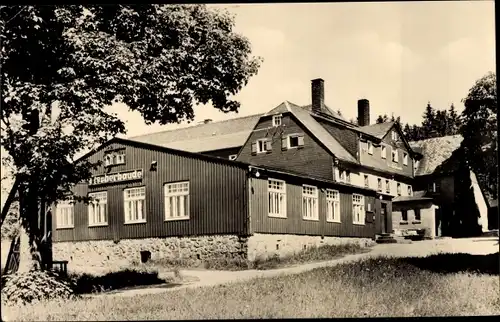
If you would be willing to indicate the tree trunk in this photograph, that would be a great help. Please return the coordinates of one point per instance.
(31, 234)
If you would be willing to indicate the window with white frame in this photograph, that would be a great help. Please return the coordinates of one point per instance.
(277, 120)
(387, 186)
(348, 176)
(416, 164)
(120, 157)
(295, 140)
(367, 182)
(134, 200)
(261, 145)
(370, 148)
(395, 156)
(384, 152)
(409, 190)
(332, 205)
(65, 214)
(233, 156)
(399, 189)
(310, 203)
(342, 175)
(277, 198)
(358, 209)
(176, 200)
(405, 158)
(394, 135)
(379, 184)
(98, 208)
(108, 160)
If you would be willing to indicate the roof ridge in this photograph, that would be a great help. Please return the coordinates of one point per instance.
(197, 125)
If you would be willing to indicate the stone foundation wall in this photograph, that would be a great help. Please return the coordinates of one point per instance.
(101, 254)
(106, 253)
(266, 245)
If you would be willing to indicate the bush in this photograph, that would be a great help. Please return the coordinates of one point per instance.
(35, 286)
(87, 283)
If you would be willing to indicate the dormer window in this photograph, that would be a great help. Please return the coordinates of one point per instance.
(395, 156)
(277, 120)
(384, 152)
(370, 148)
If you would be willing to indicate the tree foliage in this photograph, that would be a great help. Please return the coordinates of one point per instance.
(479, 130)
(61, 66)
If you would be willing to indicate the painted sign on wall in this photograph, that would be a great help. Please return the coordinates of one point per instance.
(116, 177)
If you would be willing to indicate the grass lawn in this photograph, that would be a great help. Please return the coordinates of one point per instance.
(384, 287)
(310, 255)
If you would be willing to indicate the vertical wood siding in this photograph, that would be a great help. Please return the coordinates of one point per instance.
(312, 159)
(294, 224)
(217, 197)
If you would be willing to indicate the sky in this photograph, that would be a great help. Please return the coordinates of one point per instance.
(398, 55)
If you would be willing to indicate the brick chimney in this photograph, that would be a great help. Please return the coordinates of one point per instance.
(363, 112)
(318, 95)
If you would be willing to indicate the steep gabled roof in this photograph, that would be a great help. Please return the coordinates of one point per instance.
(315, 128)
(204, 137)
(321, 133)
(325, 110)
(435, 152)
(378, 130)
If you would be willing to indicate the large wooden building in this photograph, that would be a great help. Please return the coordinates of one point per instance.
(143, 192)
(273, 182)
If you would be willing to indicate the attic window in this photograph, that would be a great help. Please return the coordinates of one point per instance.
(405, 158)
(394, 135)
(233, 157)
(295, 141)
(395, 156)
(384, 152)
(370, 148)
(277, 120)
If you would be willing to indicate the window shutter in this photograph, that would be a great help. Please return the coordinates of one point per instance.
(301, 141)
(283, 142)
(269, 146)
(254, 148)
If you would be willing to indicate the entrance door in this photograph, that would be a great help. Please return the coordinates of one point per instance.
(383, 218)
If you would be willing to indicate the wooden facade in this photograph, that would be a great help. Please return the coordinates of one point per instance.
(225, 197)
(294, 223)
(311, 159)
(211, 181)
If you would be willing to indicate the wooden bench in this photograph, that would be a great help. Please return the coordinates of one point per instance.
(62, 266)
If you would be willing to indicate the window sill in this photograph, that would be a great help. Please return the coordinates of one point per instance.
(310, 219)
(333, 221)
(358, 223)
(277, 216)
(135, 222)
(65, 227)
(175, 219)
(403, 222)
(98, 225)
